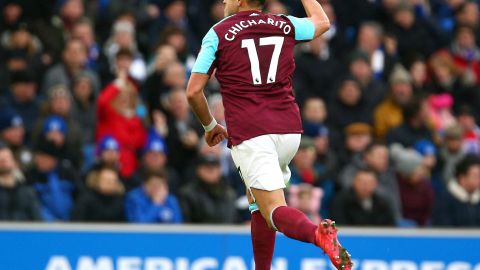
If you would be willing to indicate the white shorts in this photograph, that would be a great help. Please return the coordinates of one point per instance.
(263, 161)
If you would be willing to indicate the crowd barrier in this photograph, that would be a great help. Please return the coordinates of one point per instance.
(143, 247)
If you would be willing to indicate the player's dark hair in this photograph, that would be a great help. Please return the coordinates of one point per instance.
(465, 164)
(256, 3)
(124, 53)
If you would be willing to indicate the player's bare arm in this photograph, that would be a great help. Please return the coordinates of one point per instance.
(214, 133)
(317, 15)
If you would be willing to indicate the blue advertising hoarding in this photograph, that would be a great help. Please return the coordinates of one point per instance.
(109, 247)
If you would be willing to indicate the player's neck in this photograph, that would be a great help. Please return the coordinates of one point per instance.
(242, 9)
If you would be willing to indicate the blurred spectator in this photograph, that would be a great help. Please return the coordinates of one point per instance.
(306, 198)
(117, 115)
(83, 30)
(388, 114)
(381, 57)
(154, 160)
(451, 152)
(18, 202)
(316, 69)
(441, 114)
(12, 15)
(70, 12)
(176, 38)
(416, 192)
(314, 115)
(58, 116)
(23, 98)
(412, 33)
(348, 105)
(375, 158)
(467, 13)
(12, 133)
(123, 39)
(357, 138)
(471, 131)
(373, 91)
(108, 153)
(155, 87)
(152, 202)
(428, 151)
(84, 108)
(459, 205)
(173, 77)
(54, 181)
(414, 126)
(102, 201)
(362, 205)
(207, 199)
(74, 60)
(417, 68)
(183, 130)
(466, 53)
(304, 170)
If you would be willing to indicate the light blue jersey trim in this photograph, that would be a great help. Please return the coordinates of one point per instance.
(304, 28)
(206, 56)
(253, 207)
(207, 53)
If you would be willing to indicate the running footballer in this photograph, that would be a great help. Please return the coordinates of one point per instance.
(252, 54)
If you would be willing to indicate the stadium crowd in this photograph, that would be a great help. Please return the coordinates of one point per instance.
(95, 125)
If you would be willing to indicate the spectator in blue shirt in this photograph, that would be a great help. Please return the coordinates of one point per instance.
(152, 203)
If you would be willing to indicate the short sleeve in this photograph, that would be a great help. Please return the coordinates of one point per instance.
(304, 28)
(206, 57)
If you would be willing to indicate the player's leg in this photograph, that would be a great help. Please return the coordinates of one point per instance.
(290, 221)
(263, 238)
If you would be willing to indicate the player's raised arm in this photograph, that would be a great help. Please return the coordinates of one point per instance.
(317, 15)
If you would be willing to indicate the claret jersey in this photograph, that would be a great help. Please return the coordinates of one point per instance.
(253, 54)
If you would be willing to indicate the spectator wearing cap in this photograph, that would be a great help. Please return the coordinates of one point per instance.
(414, 126)
(388, 114)
(117, 115)
(471, 131)
(59, 105)
(13, 189)
(416, 192)
(357, 137)
(375, 158)
(74, 60)
(54, 181)
(207, 198)
(56, 129)
(103, 199)
(304, 170)
(348, 105)
(22, 98)
(459, 204)
(108, 152)
(451, 152)
(373, 90)
(154, 160)
(362, 204)
(12, 133)
(152, 202)
(441, 115)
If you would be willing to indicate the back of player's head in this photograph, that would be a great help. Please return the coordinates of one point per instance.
(256, 3)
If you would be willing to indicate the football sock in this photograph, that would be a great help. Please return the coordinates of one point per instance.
(263, 242)
(293, 223)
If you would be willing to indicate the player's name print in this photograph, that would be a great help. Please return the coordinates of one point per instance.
(240, 26)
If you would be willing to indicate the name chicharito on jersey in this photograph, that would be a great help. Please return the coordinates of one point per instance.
(238, 27)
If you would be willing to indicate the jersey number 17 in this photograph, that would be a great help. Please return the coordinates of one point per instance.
(253, 56)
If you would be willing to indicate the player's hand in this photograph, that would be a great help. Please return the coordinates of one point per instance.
(216, 135)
